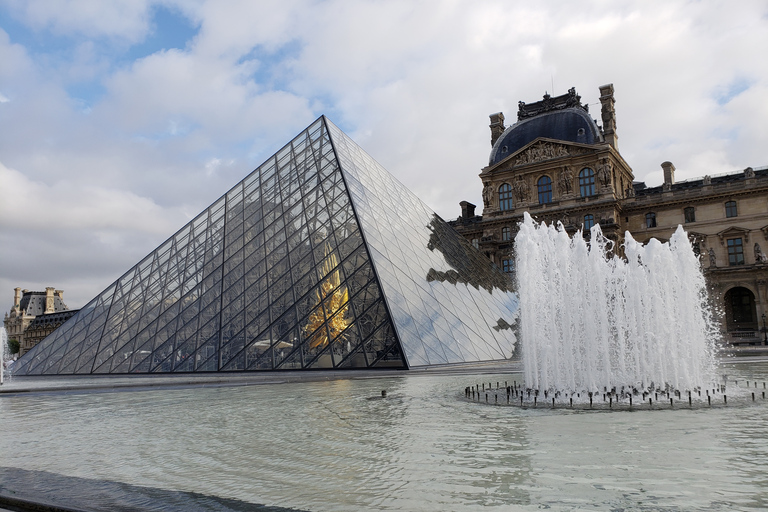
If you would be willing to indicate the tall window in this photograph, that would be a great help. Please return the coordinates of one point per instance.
(735, 251)
(506, 234)
(508, 266)
(505, 197)
(650, 220)
(586, 182)
(589, 221)
(690, 214)
(475, 243)
(730, 209)
(545, 190)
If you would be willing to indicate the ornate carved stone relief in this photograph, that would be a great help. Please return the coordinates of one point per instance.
(545, 151)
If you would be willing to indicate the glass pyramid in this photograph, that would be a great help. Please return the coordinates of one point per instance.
(318, 259)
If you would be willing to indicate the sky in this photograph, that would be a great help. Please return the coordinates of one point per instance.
(122, 120)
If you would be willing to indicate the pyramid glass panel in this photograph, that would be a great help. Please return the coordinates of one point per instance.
(317, 259)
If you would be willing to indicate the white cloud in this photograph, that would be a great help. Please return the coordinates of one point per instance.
(38, 206)
(126, 19)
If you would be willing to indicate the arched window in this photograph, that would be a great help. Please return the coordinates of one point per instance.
(650, 220)
(589, 221)
(505, 197)
(506, 234)
(740, 310)
(586, 182)
(730, 209)
(545, 190)
(690, 214)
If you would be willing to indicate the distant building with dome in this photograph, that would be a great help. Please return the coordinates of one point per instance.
(35, 315)
(560, 165)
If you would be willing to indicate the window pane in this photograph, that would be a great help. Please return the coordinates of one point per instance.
(730, 209)
(735, 252)
(545, 190)
(505, 197)
(589, 221)
(587, 182)
(506, 234)
(689, 214)
(650, 220)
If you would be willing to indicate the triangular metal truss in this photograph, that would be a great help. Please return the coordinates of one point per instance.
(318, 259)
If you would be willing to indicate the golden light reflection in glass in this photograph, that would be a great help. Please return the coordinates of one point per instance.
(332, 302)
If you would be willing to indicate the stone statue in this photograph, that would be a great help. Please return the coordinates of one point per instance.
(749, 172)
(712, 258)
(565, 185)
(760, 256)
(707, 180)
(487, 194)
(520, 189)
(604, 172)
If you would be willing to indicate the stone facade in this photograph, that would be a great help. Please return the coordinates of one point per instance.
(35, 315)
(561, 174)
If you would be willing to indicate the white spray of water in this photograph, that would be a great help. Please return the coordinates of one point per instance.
(591, 322)
(4, 352)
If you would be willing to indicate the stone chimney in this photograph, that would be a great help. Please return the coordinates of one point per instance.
(16, 298)
(609, 116)
(467, 210)
(669, 173)
(49, 300)
(497, 126)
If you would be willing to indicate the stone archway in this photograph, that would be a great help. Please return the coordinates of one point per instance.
(740, 310)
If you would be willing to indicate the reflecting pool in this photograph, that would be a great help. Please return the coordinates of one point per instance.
(337, 446)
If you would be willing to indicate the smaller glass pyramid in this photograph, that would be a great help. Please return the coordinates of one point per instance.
(318, 259)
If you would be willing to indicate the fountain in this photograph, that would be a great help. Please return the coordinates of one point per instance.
(595, 323)
(3, 351)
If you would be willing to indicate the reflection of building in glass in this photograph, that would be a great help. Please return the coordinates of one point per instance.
(302, 265)
(564, 167)
(328, 321)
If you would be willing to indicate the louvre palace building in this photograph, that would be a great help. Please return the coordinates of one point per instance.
(560, 165)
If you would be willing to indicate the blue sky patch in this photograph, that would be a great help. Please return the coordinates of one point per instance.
(726, 94)
(169, 29)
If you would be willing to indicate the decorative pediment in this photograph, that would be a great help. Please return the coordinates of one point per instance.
(733, 232)
(543, 150)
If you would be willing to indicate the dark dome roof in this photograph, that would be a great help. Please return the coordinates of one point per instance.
(570, 124)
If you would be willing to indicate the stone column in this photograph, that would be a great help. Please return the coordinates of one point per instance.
(49, 300)
(609, 115)
(497, 126)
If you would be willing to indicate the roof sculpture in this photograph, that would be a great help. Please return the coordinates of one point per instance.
(318, 259)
